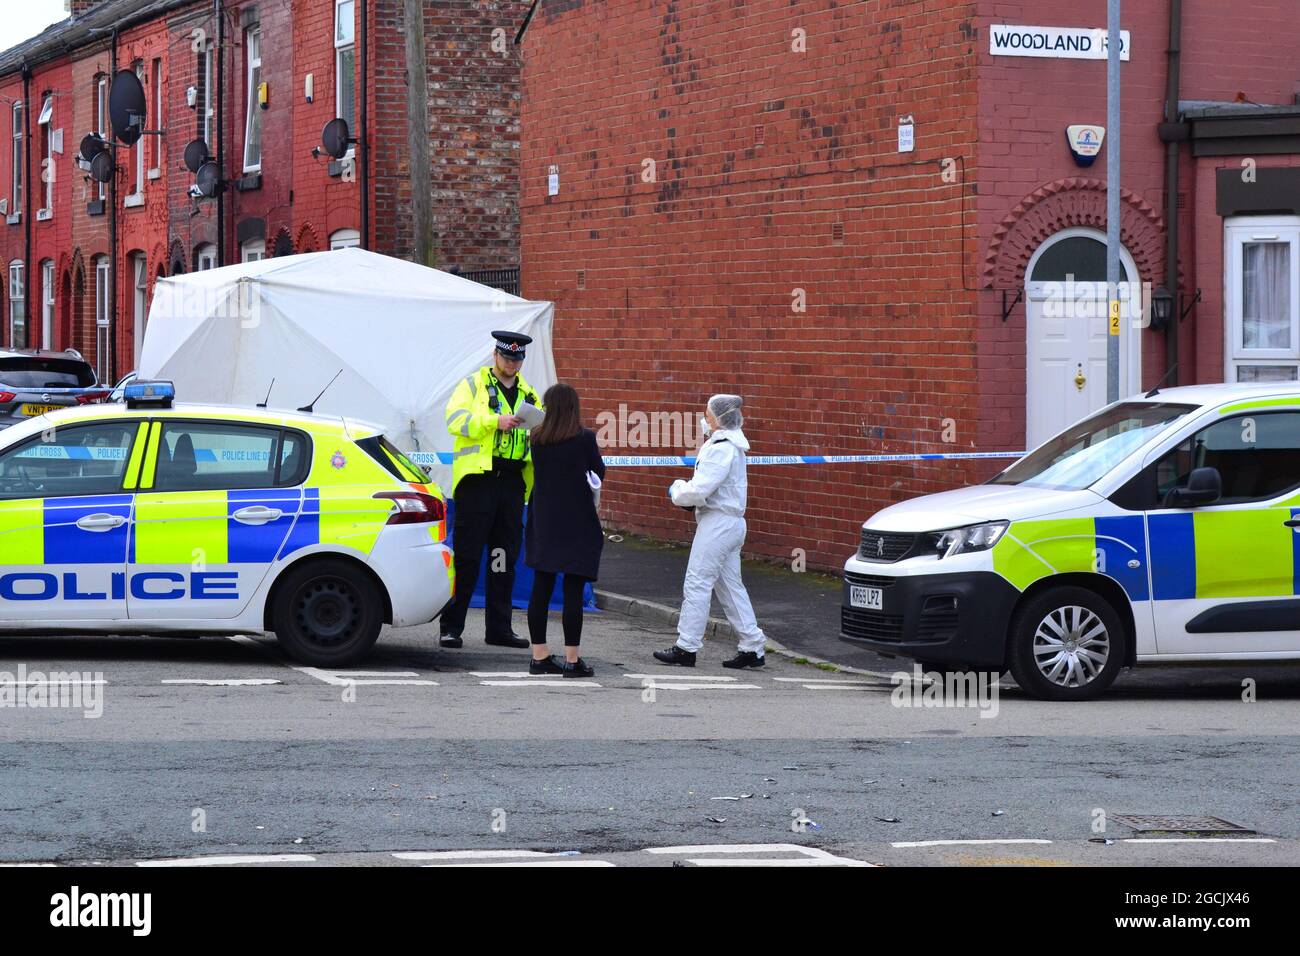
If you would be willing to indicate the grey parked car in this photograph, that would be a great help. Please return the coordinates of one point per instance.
(36, 381)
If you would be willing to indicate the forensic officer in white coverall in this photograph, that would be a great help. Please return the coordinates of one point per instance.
(717, 493)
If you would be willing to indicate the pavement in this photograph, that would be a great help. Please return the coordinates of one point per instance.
(797, 610)
(221, 750)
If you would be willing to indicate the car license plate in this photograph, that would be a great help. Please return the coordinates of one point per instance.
(870, 598)
(33, 410)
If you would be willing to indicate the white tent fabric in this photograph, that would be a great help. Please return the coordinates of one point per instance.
(402, 334)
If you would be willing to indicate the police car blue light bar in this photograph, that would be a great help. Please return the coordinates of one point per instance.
(140, 394)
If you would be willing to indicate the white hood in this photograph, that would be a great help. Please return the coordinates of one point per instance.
(733, 435)
(962, 506)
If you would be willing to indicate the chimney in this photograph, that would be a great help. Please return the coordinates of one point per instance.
(79, 7)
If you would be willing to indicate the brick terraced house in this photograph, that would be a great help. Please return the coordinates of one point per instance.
(430, 89)
(862, 216)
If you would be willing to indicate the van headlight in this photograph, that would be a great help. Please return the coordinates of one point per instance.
(975, 537)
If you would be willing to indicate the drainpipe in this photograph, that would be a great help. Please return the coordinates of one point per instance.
(1172, 131)
(27, 207)
(363, 134)
(110, 360)
(219, 12)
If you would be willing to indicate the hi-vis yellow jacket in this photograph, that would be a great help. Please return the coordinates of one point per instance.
(472, 420)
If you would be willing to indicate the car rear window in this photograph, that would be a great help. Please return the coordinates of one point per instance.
(393, 460)
(45, 373)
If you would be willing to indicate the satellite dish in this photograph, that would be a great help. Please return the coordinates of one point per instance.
(196, 154)
(92, 146)
(126, 107)
(208, 179)
(101, 167)
(335, 138)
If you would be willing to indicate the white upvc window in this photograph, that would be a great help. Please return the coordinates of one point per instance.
(205, 257)
(16, 192)
(17, 305)
(101, 120)
(103, 308)
(155, 171)
(46, 124)
(206, 104)
(345, 239)
(1262, 295)
(47, 304)
(253, 117)
(345, 64)
(254, 250)
(136, 198)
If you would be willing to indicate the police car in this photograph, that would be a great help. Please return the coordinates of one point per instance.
(151, 517)
(1164, 528)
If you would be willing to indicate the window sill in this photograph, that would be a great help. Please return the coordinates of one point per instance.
(133, 201)
(42, 215)
(249, 182)
(95, 207)
(155, 173)
(14, 219)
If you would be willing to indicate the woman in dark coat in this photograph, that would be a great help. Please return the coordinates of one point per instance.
(563, 535)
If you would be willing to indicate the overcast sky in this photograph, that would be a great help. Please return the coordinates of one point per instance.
(21, 19)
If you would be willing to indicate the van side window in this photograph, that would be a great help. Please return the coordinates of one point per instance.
(1257, 456)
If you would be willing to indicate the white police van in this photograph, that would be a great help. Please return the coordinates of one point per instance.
(1164, 528)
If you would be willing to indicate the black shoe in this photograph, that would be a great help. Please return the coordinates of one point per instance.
(547, 665)
(745, 659)
(514, 640)
(675, 655)
(450, 640)
(578, 668)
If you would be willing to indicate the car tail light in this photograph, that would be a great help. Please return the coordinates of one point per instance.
(90, 398)
(8, 396)
(414, 507)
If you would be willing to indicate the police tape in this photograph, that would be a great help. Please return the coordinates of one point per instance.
(688, 461)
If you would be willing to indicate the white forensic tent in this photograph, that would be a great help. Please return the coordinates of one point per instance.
(402, 334)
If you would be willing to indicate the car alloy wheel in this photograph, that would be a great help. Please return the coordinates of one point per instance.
(1071, 646)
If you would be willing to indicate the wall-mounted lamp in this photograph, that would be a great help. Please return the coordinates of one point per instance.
(1162, 308)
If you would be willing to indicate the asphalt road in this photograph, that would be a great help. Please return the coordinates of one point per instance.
(433, 757)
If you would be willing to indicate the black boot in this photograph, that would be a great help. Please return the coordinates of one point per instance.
(513, 640)
(450, 640)
(675, 655)
(547, 665)
(578, 668)
(744, 659)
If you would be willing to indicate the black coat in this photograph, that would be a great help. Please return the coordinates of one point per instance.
(563, 534)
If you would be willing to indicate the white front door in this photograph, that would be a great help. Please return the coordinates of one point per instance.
(1067, 320)
(141, 303)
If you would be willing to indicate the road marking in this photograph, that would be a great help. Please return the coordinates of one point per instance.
(349, 678)
(231, 860)
(568, 862)
(917, 843)
(671, 675)
(819, 680)
(670, 686)
(569, 682)
(28, 864)
(515, 674)
(730, 855)
(1196, 840)
(74, 682)
(424, 855)
(231, 682)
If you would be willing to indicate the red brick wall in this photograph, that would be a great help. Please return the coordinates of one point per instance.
(775, 171)
(472, 71)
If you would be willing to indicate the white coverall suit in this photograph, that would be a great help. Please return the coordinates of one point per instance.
(717, 492)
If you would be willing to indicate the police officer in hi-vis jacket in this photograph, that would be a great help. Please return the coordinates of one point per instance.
(492, 476)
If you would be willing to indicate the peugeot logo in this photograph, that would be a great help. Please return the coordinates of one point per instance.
(880, 547)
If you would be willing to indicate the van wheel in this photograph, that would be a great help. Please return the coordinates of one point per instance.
(327, 614)
(1066, 644)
